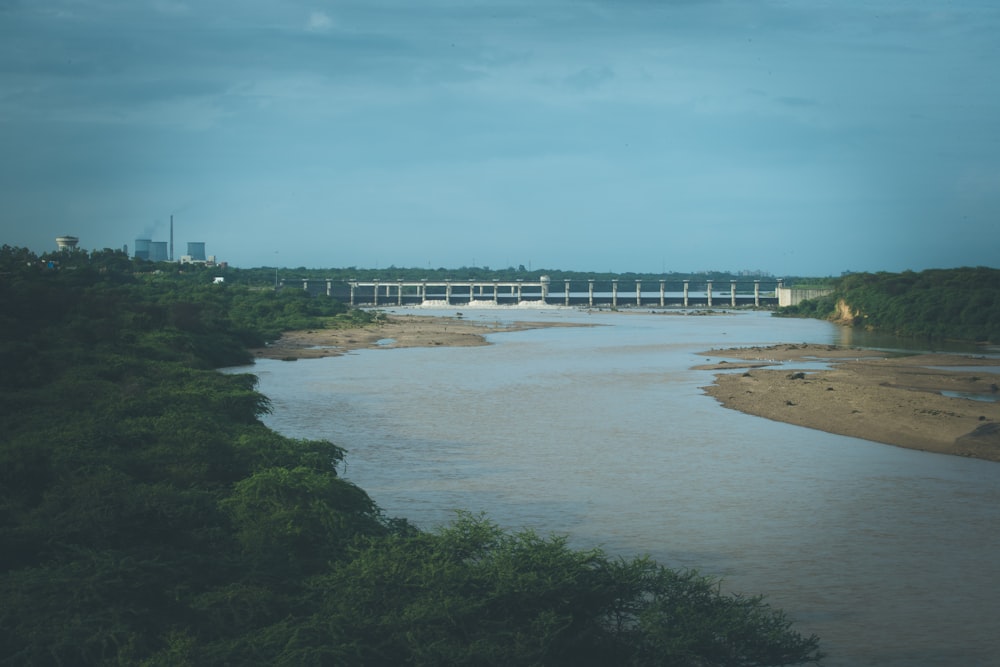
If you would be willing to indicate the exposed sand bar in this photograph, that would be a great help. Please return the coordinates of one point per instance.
(863, 393)
(394, 331)
(866, 394)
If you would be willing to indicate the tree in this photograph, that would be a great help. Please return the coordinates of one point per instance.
(298, 520)
(937, 304)
(472, 594)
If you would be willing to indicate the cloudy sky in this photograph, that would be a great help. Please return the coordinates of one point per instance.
(794, 137)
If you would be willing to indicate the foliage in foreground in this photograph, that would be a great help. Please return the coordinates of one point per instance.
(952, 304)
(471, 594)
(148, 517)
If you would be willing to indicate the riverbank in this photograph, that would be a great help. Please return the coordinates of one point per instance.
(925, 401)
(392, 331)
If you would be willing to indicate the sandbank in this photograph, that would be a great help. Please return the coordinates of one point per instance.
(896, 400)
(391, 332)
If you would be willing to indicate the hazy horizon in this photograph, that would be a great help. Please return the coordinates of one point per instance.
(584, 135)
(748, 274)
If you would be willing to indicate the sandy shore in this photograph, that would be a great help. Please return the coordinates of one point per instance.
(865, 394)
(394, 331)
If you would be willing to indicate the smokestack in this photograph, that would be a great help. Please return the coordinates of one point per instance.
(171, 238)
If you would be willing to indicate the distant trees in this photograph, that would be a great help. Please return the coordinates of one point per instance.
(148, 517)
(266, 276)
(957, 304)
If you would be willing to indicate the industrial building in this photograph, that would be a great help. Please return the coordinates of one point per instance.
(158, 251)
(196, 251)
(142, 248)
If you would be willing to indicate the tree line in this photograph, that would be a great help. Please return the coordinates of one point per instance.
(937, 304)
(264, 276)
(148, 516)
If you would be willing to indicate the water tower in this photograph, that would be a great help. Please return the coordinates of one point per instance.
(67, 242)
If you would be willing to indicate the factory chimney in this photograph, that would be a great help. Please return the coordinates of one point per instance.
(171, 238)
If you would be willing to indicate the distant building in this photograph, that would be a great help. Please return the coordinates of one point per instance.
(67, 242)
(158, 251)
(196, 251)
(142, 248)
(196, 255)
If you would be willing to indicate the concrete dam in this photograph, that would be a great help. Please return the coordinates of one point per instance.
(589, 293)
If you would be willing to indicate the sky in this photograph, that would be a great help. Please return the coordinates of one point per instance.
(792, 137)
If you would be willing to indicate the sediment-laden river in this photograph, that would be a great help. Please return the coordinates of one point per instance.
(892, 556)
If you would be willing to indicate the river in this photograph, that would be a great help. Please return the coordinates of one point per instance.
(602, 433)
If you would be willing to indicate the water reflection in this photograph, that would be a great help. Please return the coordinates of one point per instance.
(985, 398)
(851, 336)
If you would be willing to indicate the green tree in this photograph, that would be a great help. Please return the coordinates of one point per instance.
(472, 594)
(937, 304)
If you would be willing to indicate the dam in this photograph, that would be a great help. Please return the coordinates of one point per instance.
(591, 293)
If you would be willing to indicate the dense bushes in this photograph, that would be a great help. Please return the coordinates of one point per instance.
(147, 516)
(956, 304)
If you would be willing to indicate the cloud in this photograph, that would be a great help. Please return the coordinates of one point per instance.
(590, 77)
(319, 22)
